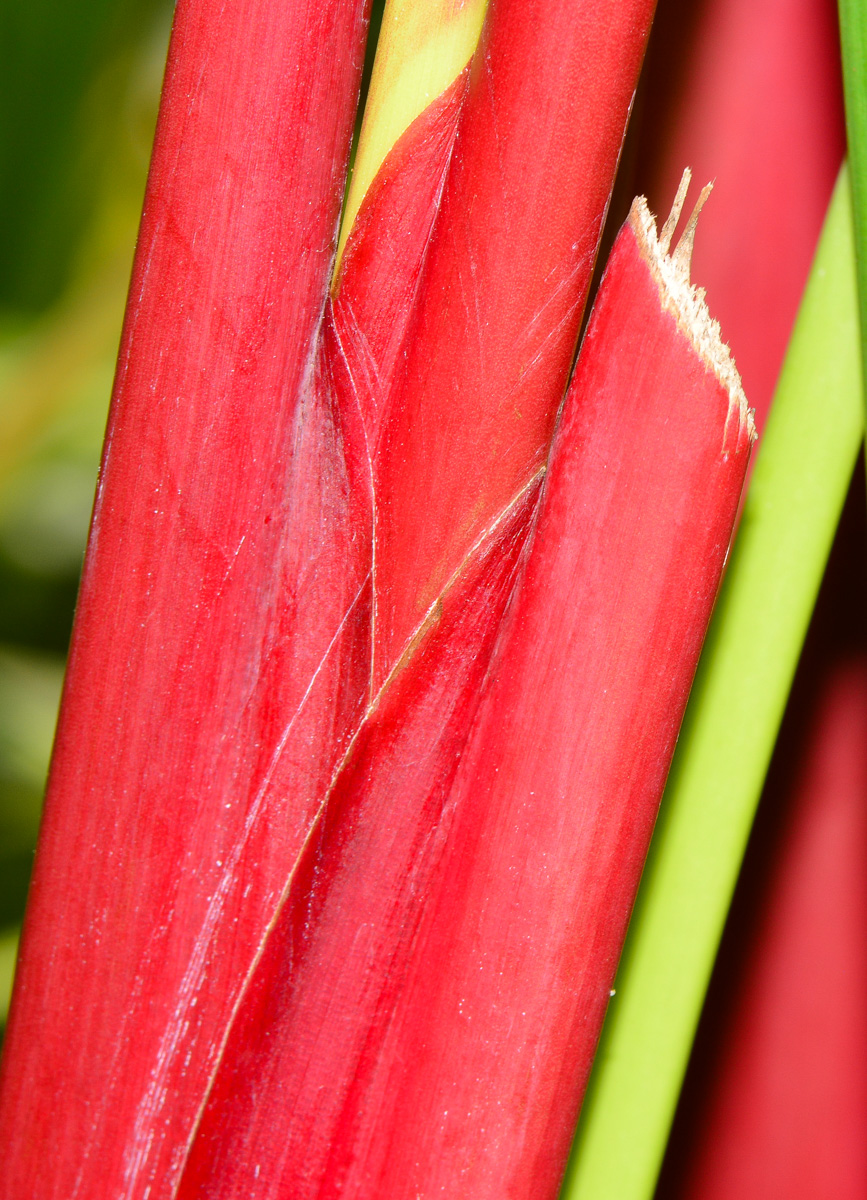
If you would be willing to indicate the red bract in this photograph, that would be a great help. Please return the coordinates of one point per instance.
(425, 1013)
(313, 510)
(308, 1034)
(506, 279)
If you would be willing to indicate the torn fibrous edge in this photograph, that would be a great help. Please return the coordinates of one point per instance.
(682, 298)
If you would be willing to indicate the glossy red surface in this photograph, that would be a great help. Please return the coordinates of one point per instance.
(425, 1013)
(505, 283)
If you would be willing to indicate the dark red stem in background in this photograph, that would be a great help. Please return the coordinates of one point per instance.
(754, 102)
(787, 1108)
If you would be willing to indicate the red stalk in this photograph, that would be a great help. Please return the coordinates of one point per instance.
(425, 1025)
(220, 645)
(787, 1112)
(759, 109)
(506, 277)
(427, 307)
(345, 935)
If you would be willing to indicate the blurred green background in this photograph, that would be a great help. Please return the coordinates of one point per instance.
(78, 99)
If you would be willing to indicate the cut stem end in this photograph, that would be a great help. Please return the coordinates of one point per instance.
(681, 297)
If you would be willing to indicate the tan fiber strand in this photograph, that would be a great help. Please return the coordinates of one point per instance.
(682, 298)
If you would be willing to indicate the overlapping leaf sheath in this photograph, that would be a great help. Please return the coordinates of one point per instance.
(425, 1011)
(221, 645)
(506, 277)
(786, 1111)
(306, 1043)
(221, 659)
(376, 291)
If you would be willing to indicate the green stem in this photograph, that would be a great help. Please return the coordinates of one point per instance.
(8, 953)
(791, 513)
(853, 36)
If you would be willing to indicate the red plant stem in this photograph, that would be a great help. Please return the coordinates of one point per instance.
(506, 278)
(424, 1015)
(787, 1112)
(345, 936)
(220, 644)
(758, 109)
